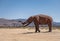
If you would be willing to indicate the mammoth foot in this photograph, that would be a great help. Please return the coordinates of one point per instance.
(37, 31)
(50, 31)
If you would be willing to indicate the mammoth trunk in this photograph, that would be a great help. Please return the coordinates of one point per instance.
(28, 21)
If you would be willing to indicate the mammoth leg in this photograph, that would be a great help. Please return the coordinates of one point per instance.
(50, 27)
(37, 28)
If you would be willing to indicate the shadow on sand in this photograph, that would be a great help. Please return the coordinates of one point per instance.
(28, 33)
(35, 32)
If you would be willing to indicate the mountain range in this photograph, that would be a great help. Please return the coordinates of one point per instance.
(14, 22)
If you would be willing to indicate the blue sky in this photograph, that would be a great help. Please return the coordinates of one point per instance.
(15, 9)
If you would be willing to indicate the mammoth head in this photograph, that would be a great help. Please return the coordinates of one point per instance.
(22, 22)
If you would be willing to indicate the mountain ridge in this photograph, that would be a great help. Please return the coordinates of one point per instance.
(15, 22)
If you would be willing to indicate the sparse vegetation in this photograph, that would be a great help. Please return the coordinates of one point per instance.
(12, 27)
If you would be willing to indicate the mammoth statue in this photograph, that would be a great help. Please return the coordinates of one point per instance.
(39, 19)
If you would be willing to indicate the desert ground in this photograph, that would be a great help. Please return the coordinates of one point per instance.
(27, 34)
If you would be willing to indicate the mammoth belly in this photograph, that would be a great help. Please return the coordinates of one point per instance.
(43, 22)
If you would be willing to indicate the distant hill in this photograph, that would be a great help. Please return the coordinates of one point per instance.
(56, 24)
(14, 22)
(6, 22)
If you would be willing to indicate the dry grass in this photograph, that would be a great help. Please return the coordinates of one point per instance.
(27, 34)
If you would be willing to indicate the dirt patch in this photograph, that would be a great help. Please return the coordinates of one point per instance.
(28, 35)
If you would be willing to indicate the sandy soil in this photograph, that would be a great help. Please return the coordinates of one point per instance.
(20, 34)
